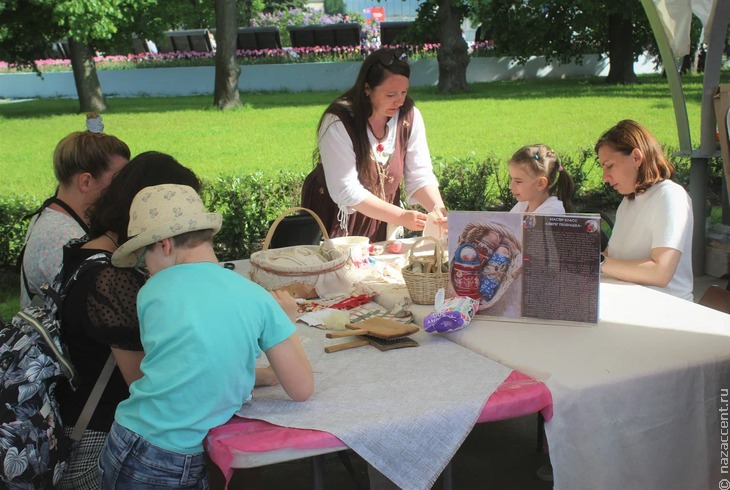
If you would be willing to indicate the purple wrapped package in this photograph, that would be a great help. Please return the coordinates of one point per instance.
(453, 314)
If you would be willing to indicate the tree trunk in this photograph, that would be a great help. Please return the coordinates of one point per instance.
(453, 57)
(91, 99)
(620, 49)
(227, 68)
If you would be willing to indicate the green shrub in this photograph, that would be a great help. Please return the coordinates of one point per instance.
(474, 185)
(248, 205)
(12, 226)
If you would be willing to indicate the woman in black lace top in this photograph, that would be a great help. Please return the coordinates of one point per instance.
(100, 314)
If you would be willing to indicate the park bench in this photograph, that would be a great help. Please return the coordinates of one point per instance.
(253, 38)
(343, 34)
(390, 30)
(190, 40)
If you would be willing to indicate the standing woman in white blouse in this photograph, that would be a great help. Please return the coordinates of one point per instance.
(369, 140)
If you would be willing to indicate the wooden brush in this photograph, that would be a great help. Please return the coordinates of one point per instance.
(380, 344)
(379, 332)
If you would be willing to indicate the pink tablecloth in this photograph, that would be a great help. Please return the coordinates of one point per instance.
(517, 396)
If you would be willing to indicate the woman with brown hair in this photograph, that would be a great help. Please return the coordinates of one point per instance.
(84, 163)
(370, 139)
(651, 242)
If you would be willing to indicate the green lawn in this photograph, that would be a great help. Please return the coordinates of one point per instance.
(277, 130)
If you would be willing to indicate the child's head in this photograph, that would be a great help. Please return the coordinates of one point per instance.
(535, 174)
(161, 212)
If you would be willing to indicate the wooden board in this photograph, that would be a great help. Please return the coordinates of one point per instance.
(384, 328)
(381, 344)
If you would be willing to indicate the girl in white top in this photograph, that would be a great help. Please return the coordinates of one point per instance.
(538, 182)
(651, 242)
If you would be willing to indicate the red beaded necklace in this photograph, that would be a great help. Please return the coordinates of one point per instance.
(380, 146)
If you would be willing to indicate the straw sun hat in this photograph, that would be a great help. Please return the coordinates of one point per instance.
(163, 211)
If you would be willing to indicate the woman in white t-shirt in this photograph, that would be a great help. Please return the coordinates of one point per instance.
(651, 242)
(539, 183)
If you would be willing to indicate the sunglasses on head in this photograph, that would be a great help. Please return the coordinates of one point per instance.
(387, 59)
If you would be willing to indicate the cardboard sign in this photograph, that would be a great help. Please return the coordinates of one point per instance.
(521, 265)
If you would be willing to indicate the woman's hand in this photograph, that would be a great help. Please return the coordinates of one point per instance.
(413, 220)
(287, 303)
(441, 219)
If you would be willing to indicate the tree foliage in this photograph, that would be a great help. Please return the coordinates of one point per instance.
(29, 27)
(335, 7)
(560, 30)
(565, 30)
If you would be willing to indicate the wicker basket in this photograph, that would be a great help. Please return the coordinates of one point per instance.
(304, 270)
(487, 237)
(422, 286)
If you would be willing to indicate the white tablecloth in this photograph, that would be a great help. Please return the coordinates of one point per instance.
(405, 411)
(637, 398)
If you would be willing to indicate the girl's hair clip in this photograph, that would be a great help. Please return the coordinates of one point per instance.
(560, 168)
(537, 157)
(94, 124)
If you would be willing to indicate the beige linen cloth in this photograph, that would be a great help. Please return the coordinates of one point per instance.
(404, 411)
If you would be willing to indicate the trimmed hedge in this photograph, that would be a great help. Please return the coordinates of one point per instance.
(250, 203)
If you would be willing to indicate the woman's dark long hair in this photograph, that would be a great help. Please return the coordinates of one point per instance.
(353, 107)
(110, 212)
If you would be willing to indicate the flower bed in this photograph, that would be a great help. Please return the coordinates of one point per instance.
(246, 57)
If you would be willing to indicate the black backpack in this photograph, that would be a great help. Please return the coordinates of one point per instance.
(34, 451)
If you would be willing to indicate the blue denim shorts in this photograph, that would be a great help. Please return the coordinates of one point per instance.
(128, 461)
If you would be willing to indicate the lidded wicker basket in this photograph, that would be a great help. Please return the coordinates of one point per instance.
(305, 271)
(433, 274)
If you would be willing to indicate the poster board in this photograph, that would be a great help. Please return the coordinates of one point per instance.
(527, 266)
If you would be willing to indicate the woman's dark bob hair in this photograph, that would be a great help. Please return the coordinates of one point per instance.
(110, 212)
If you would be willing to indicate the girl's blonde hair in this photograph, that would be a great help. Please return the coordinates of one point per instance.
(542, 161)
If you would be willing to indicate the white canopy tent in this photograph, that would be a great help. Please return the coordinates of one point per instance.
(670, 20)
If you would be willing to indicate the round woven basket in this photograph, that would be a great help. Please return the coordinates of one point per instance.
(488, 236)
(422, 286)
(304, 270)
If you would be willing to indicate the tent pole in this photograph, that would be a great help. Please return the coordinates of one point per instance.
(699, 159)
(670, 68)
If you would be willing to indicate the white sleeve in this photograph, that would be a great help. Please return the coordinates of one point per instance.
(338, 160)
(671, 218)
(418, 170)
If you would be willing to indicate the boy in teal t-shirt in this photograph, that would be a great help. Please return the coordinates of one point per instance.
(201, 327)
